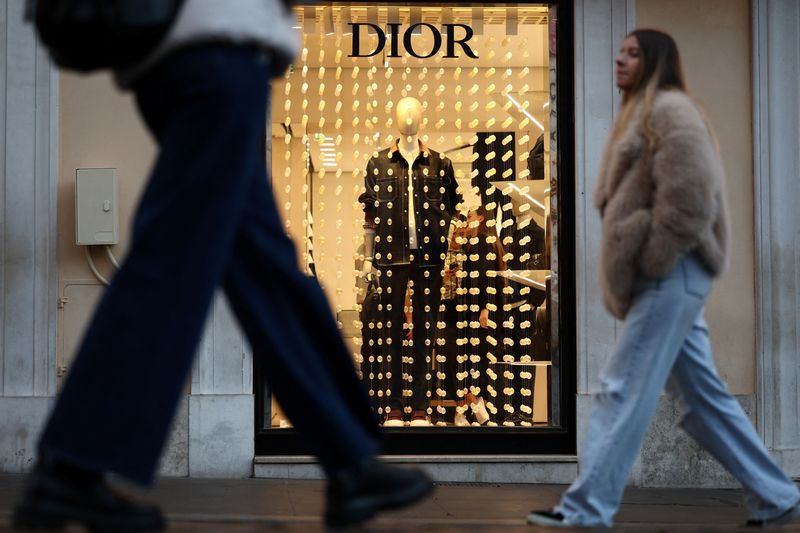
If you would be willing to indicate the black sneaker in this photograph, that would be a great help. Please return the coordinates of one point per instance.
(549, 518)
(59, 494)
(356, 494)
(789, 516)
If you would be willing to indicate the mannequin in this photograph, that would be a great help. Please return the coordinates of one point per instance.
(409, 200)
(408, 117)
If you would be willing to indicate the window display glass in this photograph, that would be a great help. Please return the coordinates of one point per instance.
(413, 164)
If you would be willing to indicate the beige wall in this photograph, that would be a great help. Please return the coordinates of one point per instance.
(714, 40)
(99, 127)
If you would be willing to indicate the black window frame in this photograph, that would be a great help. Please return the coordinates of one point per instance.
(492, 441)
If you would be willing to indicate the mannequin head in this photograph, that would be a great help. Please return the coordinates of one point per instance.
(408, 113)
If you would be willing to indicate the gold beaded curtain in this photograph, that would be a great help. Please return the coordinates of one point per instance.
(491, 118)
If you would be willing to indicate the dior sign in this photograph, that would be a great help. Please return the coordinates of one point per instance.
(394, 38)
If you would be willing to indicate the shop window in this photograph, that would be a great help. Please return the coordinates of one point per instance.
(413, 164)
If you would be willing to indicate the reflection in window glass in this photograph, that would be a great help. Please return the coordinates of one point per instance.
(411, 161)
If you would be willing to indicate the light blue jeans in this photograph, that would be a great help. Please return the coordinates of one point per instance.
(664, 341)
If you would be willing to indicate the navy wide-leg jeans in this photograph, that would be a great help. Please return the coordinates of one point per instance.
(207, 218)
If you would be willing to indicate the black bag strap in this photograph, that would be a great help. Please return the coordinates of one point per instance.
(88, 35)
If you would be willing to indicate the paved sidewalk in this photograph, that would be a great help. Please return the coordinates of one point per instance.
(293, 505)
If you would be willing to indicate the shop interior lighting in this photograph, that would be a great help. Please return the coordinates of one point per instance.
(415, 17)
(447, 15)
(326, 149)
(477, 20)
(344, 20)
(524, 111)
(329, 21)
(310, 20)
(372, 16)
(526, 195)
(393, 15)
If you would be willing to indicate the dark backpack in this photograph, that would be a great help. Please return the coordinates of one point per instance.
(87, 35)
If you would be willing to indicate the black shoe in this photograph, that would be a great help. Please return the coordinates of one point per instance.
(789, 516)
(355, 495)
(59, 494)
(549, 518)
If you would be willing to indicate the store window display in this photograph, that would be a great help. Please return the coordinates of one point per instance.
(418, 190)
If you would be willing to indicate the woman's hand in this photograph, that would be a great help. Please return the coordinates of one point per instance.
(484, 318)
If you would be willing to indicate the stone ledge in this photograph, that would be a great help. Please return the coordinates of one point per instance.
(557, 469)
(306, 459)
(220, 435)
(22, 419)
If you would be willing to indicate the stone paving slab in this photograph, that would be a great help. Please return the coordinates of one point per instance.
(249, 505)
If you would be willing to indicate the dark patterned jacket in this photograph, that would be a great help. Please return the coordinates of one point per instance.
(386, 205)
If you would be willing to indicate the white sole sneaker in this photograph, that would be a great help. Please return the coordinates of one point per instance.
(789, 516)
(548, 519)
(480, 412)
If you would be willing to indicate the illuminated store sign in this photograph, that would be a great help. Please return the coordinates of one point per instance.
(408, 43)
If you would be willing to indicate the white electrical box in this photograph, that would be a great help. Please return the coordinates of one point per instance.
(96, 200)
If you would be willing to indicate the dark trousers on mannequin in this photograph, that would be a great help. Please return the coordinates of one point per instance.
(206, 219)
(427, 285)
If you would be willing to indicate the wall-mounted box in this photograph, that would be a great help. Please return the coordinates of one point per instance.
(96, 202)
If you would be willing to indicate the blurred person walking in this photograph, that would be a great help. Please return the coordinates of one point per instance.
(665, 236)
(207, 218)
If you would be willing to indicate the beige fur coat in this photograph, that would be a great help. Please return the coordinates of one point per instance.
(660, 203)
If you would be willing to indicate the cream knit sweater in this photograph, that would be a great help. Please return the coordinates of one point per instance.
(263, 23)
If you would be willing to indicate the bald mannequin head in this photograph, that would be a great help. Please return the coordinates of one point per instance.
(408, 113)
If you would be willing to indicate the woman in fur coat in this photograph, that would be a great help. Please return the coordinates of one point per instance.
(660, 193)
